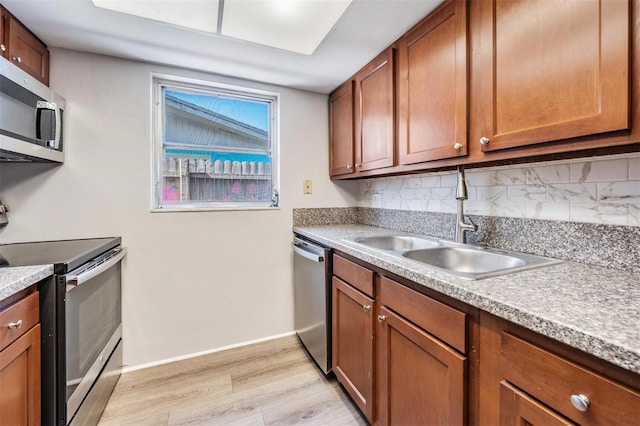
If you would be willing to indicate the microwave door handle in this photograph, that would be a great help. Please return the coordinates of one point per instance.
(40, 105)
(56, 139)
(83, 277)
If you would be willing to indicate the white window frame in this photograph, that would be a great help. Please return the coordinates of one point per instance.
(161, 81)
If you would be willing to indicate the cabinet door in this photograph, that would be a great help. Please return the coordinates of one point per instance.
(432, 87)
(375, 141)
(27, 52)
(3, 40)
(517, 408)
(20, 380)
(353, 343)
(552, 70)
(341, 130)
(420, 380)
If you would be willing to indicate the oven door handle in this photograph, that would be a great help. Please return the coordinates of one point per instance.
(83, 277)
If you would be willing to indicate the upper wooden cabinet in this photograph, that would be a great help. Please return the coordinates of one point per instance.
(3, 42)
(528, 78)
(432, 87)
(375, 131)
(552, 70)
(341, 130)
(361, 119)
(23, 48)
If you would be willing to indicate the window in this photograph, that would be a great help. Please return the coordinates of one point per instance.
(215, 146)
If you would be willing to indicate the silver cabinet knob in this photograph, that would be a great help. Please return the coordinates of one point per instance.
(16, 324)
(349, 166)
(366, 308)
(382, 318)
(457, 145)
(18, 59)
(3, 47)
(580, 402)
(484, 140)
(358, 164)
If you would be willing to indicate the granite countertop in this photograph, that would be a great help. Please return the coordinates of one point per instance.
(591, 308)
(14, 279)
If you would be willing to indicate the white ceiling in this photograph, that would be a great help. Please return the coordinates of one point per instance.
(365, 29)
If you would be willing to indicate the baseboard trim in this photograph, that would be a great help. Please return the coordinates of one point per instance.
(129, 369)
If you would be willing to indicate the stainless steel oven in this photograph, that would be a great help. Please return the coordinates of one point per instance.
(92, 328)
(80, 316)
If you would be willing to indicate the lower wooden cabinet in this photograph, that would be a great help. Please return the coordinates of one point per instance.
(20, 363)
(517, 408)
(420, 380)
(353, 344)
(528, 379)
(20, 380)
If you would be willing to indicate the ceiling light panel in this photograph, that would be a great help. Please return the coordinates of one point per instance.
(197, 14)
(295, 25)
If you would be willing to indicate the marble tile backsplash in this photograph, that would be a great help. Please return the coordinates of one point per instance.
(604, 190)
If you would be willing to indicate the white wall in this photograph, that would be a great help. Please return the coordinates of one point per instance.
(602, 190)
(191, 281)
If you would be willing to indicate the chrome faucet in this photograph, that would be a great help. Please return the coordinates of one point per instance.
(461, 194)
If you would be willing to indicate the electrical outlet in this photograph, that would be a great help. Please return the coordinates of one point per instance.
(306, 186)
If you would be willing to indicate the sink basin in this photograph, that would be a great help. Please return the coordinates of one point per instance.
(476, 263)
(400, 243)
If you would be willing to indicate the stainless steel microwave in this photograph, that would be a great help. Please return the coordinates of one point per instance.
(31, 118)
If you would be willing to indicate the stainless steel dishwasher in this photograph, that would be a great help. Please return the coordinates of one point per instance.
(312, 296)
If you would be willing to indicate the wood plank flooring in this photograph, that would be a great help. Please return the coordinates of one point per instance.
(270, 383)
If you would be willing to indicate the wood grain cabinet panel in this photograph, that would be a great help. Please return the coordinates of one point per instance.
(362, 119)
(420, 380)
(353, 343)
(341, 136)
(553, 380)
(432, 87)
(24, 49)
(3, 42)
(375, 109)
(552, 70)
(20, 380)
(519, 409)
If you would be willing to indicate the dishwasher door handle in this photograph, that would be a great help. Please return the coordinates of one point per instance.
(306, 254)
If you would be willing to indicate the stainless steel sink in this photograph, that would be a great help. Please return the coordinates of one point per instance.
(399, 243)
(477, 262)
(465, 261)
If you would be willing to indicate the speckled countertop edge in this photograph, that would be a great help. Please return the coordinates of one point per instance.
(590, 308)
(17, 278)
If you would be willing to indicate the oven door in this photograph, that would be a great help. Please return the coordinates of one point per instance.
(92, 323)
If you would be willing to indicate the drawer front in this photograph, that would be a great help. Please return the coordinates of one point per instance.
(440, 320)
(552, 380)
(354, 274)
(18, 318)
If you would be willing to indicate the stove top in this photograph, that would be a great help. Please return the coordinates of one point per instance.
(65, 255)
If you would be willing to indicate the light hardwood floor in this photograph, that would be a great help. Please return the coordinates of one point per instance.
(270, 383)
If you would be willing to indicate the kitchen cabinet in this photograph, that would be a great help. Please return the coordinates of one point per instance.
(23, 48)
(529, 379)
(420, 379)
(352, 324)
(20, 362)
(432, 87)
(361, 111)
(492, 81)
(3, 42)
(341, 136)
(552, 71)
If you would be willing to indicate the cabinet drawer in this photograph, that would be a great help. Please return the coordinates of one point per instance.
(440, 320)
(552, 380)
(24, 312)
(356, 275)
